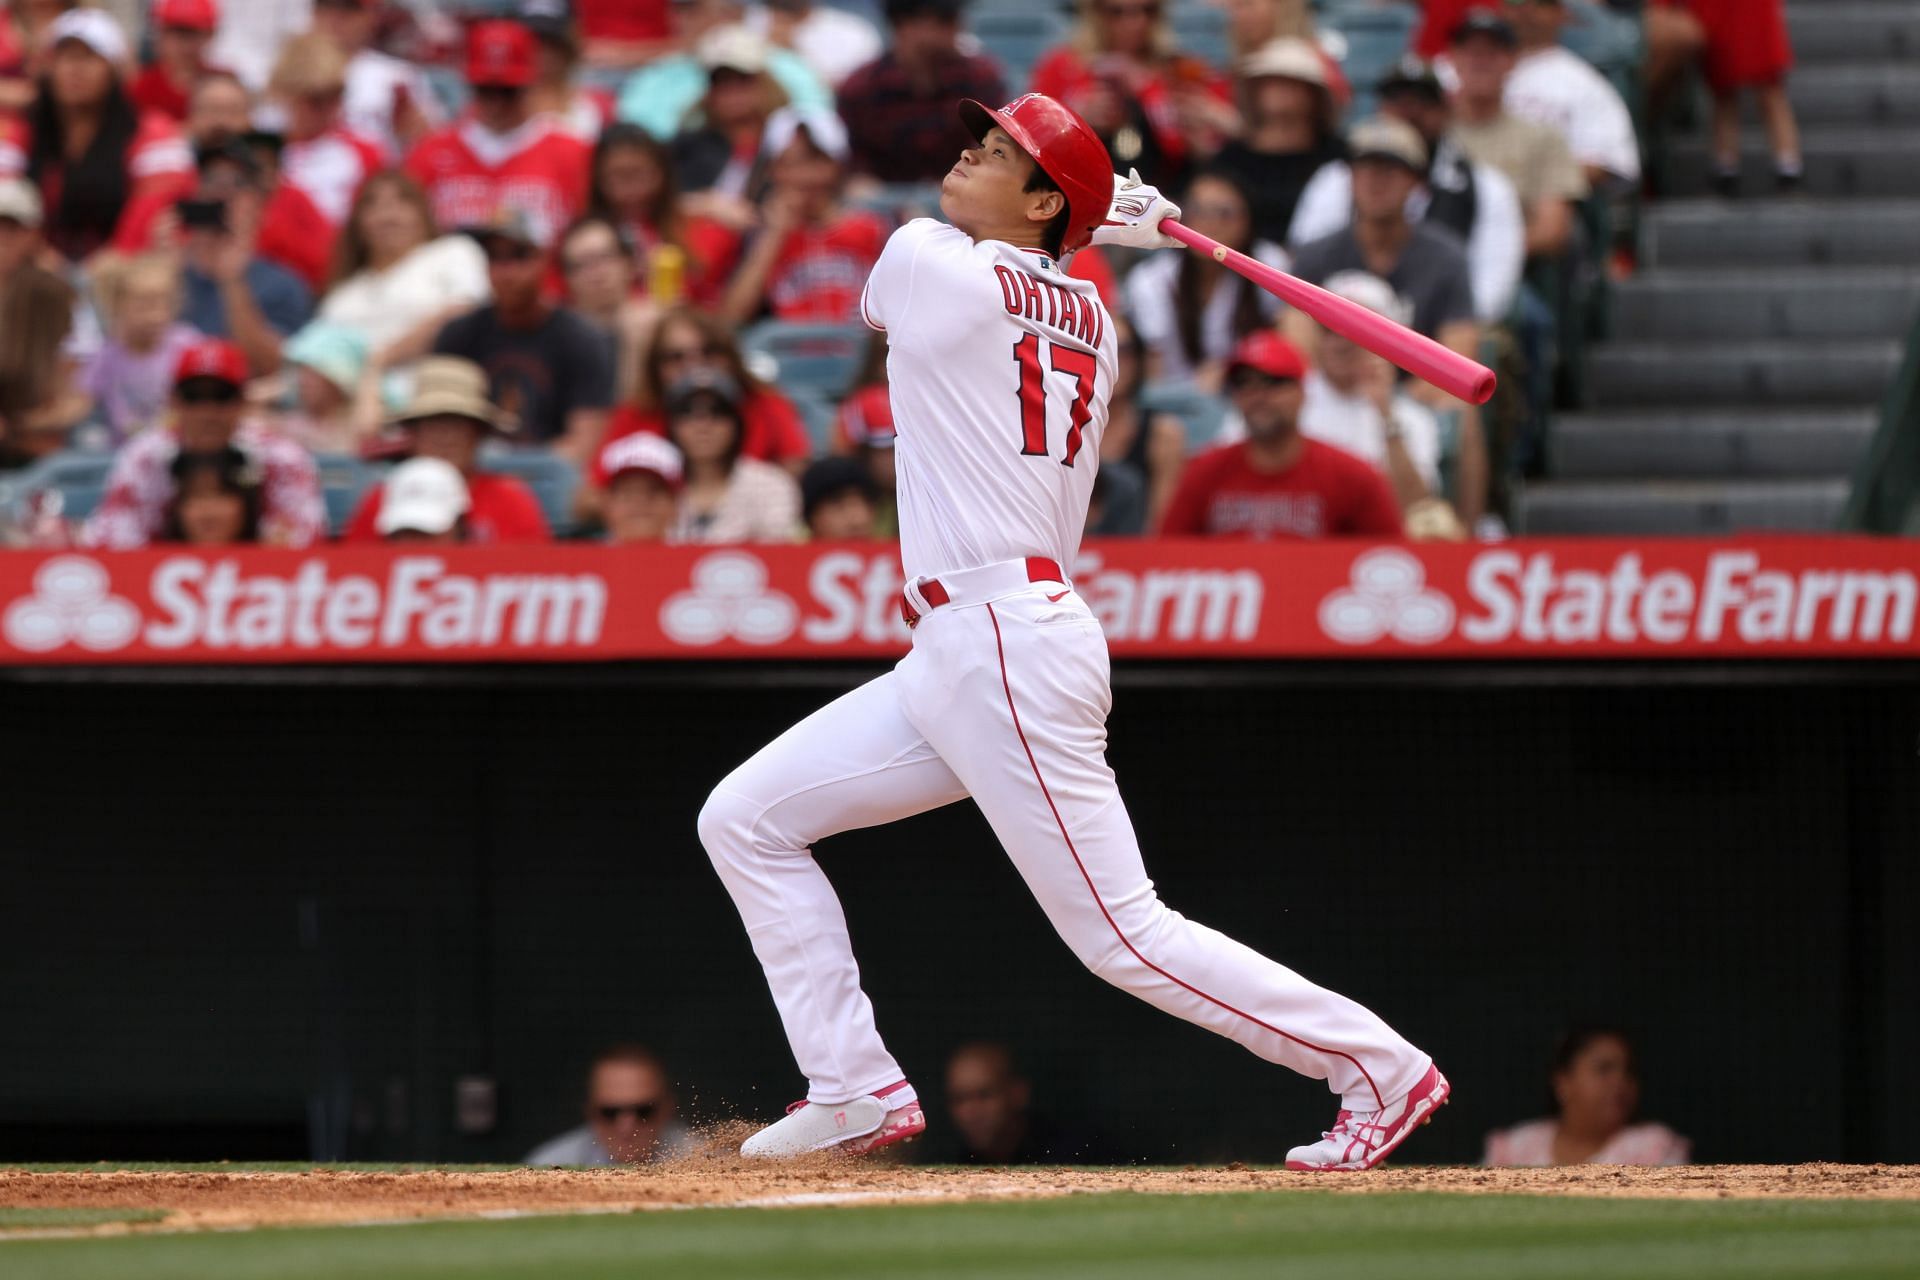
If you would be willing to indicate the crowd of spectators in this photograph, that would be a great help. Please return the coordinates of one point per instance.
(239, 234)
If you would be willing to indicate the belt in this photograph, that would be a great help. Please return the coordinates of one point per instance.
(975, 584)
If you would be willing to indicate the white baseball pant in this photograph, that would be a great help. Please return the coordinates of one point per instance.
(1004, 697)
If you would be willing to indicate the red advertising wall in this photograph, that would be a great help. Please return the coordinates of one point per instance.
(1589, 598)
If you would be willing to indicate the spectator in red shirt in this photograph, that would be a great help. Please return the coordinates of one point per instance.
(644, 477)
(689, 341)
(810, 257)
(502, 155)
(622, 33)
(448, 418)
(1151, 104)
(321, 157)
(1746, 47)
(899, 107)
(91, 151)
(182, 29)
(208, 416)
(1278, 483)
(636, 188)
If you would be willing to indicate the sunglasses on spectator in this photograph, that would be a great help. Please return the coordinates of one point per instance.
(511, 251)
(679, 355)
(641, 1111)
(1130, 10)
(207, 391)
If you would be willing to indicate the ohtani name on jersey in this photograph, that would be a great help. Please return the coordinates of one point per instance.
(1045, 302)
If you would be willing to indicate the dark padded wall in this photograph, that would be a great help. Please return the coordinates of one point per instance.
(279, 915)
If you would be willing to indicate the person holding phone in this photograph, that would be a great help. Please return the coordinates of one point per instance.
(231, 290)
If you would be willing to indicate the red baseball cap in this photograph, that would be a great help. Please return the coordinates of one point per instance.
(500, 55)
(194, 15)
(211, 358)
(1269, 353)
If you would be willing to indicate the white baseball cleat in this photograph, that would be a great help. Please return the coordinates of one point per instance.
(1362, 1139)
(865, 1124)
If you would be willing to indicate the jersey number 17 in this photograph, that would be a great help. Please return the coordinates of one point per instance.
(1076, 364)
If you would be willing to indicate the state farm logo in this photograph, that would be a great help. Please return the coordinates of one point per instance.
(72, 600)
(729, 600)
(1389, 597)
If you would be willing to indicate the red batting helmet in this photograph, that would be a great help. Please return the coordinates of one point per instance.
(1064, 146)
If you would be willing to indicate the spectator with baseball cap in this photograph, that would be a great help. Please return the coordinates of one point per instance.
(1290, 131)
(388, 99)
(501, 153)
(208, 415)
(1474, 201)
(1594, 1079)
(728, 497)
(89, 149)
(1424, 262)
(1353, 400)
(1556, 87)
(810, 255)
(666, 96)
(424, 500)
(182, 30)
(644, 475)
(1484, 51)
(631, 1115)
(838, 500)
(1277, 483)
(218, 499)
(899, 107)
(717, 151)
(448, 418)
(548, 368)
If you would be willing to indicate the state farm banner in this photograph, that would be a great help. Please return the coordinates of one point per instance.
(1759, 598)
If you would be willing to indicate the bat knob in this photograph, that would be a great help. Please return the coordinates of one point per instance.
(1219, 253)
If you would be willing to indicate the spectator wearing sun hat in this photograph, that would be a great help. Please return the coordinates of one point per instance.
(645, 474)
(1277, 483)
(1290, 116)
(449, 417)
(660, 96)
(502, 153)
(333, 405)
(208, 415)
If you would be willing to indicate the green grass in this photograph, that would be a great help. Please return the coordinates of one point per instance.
(1112, 1237)
(21, 1219)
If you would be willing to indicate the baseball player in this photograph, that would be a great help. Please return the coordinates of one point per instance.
(1001, 366)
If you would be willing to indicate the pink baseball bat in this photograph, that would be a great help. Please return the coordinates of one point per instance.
(1420, 356)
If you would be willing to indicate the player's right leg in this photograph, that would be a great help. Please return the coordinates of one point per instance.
(854, 763)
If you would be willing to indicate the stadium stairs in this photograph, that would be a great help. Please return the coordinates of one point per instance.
(1749, 353)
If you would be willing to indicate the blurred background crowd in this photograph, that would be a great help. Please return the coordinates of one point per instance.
(281, 271)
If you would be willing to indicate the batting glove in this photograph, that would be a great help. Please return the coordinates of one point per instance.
(1134, 219)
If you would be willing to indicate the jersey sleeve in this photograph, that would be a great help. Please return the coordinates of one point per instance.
(158, 150)
(906, 264)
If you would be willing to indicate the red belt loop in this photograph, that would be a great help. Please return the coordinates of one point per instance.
(1039, 569)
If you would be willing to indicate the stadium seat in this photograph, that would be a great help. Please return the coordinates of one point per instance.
(1201, 30)
(553, 479)
(821, 358)
(1376, 38)
(1200, 412)
(343, 478)
(1015, 38)
(79, 478)
(818, 412)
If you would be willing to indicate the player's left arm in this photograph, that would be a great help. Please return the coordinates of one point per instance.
(1133, 219)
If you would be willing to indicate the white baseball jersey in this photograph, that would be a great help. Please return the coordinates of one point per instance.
(1000, 366)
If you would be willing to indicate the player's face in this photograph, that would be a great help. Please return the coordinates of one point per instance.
(1600, 1090)
(985, 194)
(1270, 405)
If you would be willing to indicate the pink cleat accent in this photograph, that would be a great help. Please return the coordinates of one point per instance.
(1362, 1139)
